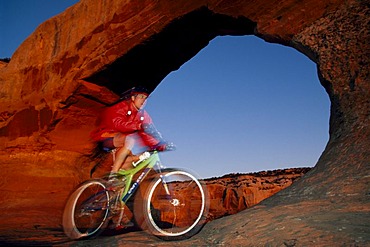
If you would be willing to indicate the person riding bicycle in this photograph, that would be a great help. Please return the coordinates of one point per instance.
(125, 125)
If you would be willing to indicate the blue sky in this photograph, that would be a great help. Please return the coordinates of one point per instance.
(240, 105)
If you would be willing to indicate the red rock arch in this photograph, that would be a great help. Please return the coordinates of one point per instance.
(72, 64)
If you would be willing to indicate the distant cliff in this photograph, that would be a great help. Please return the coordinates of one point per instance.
(233, 193)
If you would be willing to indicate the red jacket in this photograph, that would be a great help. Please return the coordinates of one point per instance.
(125, 118)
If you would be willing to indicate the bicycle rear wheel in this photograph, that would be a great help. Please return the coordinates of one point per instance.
(87, 209)
(176, 205)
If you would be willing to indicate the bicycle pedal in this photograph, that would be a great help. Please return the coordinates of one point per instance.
(116, 210)
(111, 188)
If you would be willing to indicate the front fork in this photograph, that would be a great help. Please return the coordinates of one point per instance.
(175, 202)
(159, 165)
(165, 185)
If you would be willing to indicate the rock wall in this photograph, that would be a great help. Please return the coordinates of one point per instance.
(60, 77)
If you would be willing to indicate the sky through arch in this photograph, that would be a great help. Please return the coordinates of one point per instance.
(243, 105)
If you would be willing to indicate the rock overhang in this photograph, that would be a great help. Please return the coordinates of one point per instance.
(149, 62)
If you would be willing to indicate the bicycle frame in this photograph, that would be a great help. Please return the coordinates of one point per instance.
(147, 165)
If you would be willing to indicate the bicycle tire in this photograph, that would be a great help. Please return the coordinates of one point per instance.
(180, 214)
(87, 210)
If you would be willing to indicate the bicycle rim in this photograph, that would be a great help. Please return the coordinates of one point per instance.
(176, 212)
(87, 210)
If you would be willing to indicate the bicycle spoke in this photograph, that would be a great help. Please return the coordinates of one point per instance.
(178, 212)
(87, 210)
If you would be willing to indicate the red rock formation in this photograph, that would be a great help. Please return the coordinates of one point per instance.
(233, 193)
(62, 74)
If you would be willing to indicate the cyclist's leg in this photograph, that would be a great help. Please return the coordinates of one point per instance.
(122, 218)
(125, 144)
(121, 156)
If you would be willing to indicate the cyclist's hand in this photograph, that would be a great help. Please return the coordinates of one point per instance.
(165, 146)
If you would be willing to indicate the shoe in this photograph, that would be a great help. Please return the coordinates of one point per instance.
(121, 225)
(124, 225)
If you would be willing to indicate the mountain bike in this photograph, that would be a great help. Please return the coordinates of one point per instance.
(174, 206)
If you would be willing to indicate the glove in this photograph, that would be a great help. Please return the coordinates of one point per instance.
(164, 146)
(170, 147)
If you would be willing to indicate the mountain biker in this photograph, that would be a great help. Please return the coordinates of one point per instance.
(126, 125)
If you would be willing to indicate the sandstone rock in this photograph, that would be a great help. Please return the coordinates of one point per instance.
(62, 74)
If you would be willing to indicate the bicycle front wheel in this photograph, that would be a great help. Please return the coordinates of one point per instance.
(176, 205)
(87, 210)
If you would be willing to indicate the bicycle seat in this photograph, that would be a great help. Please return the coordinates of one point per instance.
(106, 148)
